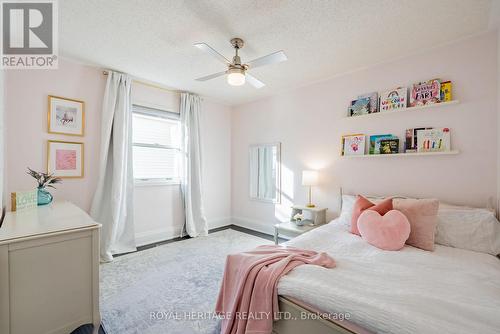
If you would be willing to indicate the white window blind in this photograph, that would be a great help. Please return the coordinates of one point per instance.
(156, 144)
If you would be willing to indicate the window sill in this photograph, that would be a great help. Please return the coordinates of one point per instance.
(155, 183)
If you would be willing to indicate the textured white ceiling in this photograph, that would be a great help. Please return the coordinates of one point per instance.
(152, 39)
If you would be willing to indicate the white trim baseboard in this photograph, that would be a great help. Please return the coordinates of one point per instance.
(218, 222)
(255, 225)
(153, 236)
(150, 237)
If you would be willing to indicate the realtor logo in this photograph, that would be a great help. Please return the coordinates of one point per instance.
(29, 34)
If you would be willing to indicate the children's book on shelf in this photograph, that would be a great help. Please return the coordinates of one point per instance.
(373, 101)
(375, 142)
(411, 139)
(360, 107)
(446, 91)
(353, 144)
(433, 140)
(427, 92)
(389, 146)
(395, 99)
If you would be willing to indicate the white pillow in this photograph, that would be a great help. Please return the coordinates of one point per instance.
(468, 228)
(347, 206)
(349, 200)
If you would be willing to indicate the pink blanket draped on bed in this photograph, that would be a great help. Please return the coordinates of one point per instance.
(248, 298)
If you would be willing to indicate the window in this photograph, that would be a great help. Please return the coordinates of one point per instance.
(156, 145)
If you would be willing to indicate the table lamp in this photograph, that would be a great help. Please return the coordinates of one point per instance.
(310, 178)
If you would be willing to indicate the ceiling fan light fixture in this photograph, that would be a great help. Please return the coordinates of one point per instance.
(237, 72)
(236, 77)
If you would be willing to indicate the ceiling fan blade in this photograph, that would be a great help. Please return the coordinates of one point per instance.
(273, 58)
(208, 49)
(254, 81)
(211, 76)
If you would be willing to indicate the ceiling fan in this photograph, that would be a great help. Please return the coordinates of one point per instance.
(237, 73)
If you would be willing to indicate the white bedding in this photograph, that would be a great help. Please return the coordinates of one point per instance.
(449, 290)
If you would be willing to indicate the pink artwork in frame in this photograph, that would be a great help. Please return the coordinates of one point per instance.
(65, 159)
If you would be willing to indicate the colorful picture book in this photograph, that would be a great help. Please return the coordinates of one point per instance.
(446, 91)
(389, 146)
(375, 142)
(433, 140)
(423, 93)
(393, 99)
(411, 139)
(353, 144)
(360, 107)
(373, 101)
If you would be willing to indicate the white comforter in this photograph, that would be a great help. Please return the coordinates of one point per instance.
(449, 290)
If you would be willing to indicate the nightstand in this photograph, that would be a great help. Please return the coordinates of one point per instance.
(318, 218)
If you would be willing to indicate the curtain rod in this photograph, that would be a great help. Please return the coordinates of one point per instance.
(150, 84)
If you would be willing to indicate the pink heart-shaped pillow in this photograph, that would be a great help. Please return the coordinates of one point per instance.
(388, 232)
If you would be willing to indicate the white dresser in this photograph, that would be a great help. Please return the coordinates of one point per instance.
(49, 270)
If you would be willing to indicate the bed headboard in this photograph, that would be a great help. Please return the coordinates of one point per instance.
(490, 205)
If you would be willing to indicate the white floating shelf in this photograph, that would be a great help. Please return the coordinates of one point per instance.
(416, 154)
(382, 113)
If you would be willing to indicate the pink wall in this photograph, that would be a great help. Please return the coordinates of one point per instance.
(26, 94)
(310, 121)
(26, 139)
(216, 159)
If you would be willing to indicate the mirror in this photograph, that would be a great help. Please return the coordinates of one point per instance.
(265, 162)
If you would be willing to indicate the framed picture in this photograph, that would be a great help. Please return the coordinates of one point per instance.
(65, 159)
(66, 116)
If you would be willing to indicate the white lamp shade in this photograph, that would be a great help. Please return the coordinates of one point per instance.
(309, 178)
(236, 77)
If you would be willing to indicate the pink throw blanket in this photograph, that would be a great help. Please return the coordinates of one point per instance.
(248, 298)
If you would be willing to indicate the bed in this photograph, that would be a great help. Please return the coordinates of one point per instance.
(449, 290)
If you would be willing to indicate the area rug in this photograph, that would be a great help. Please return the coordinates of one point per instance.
(169, 289)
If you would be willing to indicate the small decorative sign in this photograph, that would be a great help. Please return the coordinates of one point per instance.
(393, 99)
(23, 200)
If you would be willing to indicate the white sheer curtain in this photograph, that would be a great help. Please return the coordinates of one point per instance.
(112, 205)
(191, 185)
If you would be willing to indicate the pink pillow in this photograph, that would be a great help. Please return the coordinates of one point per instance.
(388, 232)
(363, 204)
(422, 215)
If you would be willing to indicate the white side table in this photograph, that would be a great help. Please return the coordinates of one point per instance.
(318, 218)
(318, 215)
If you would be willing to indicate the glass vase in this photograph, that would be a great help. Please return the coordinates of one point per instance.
(44, 197)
